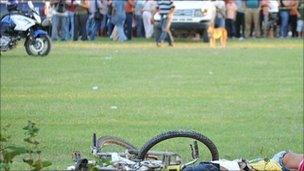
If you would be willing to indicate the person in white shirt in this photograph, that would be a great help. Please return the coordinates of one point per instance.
(220, 13)
(149, 7)
(270, 9)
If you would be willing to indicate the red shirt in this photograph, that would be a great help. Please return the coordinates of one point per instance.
(72, 7)
(129, 7)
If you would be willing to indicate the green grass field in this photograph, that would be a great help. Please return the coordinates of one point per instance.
(247, 98)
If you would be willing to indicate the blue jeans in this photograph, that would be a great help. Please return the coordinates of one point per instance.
(128, 25)
(230, 27)
(121, 33)
(140, 26)
(163, 24)
(103, 22)
(279, 158)
(91, 28)
(59, 21)
(284, 15)
(219, 22)
(70, 21)
(119, 21)
(109, 25)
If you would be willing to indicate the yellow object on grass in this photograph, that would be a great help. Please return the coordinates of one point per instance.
(173, 168)
(266, 165)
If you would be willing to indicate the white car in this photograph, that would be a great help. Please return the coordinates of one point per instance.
(192, 16)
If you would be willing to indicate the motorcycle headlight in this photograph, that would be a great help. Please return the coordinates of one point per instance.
(198, 13)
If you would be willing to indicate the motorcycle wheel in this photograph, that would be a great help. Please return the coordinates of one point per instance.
(39, 46)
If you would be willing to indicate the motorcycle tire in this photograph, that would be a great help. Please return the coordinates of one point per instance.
(32, 51)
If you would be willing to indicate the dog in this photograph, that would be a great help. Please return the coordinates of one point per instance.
(217, 33)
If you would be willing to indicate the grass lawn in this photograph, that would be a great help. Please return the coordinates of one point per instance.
(247, 98)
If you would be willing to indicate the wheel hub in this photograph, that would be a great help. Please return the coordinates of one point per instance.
(38, 45)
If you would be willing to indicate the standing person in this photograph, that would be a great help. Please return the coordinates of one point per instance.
(49, 13)
(129, 8)
(81, 17)
(230, 17)
(104, 12)
(270, 9)
(148, 9)
(300, 24)
(294, 17)
(109, 23)
(94, 17)
(285, 6)
(70, 21)
(59, 19)
(139, 18)
(252, 15)
(240, 19)
(166, 10)
(273, 17)
(220, 13)
(118, 18)
(265, 17)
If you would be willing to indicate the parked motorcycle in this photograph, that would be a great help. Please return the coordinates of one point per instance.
(17, 25)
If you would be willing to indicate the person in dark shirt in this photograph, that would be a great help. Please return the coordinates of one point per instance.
(80, 19)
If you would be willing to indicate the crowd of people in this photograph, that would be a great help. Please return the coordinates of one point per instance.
(122, 19)
(86, 19)
(261, 18)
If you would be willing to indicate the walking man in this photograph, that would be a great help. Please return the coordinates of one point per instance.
(166, 10)
(118, 18)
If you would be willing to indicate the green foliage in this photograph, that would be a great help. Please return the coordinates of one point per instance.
(7, 151)
(33, 152)
(33, 158)
(38, 164)
(99, 162)
(95, 165)
(102, 161)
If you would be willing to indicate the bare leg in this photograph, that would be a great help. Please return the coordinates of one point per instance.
(292, 160)
(212, 42)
